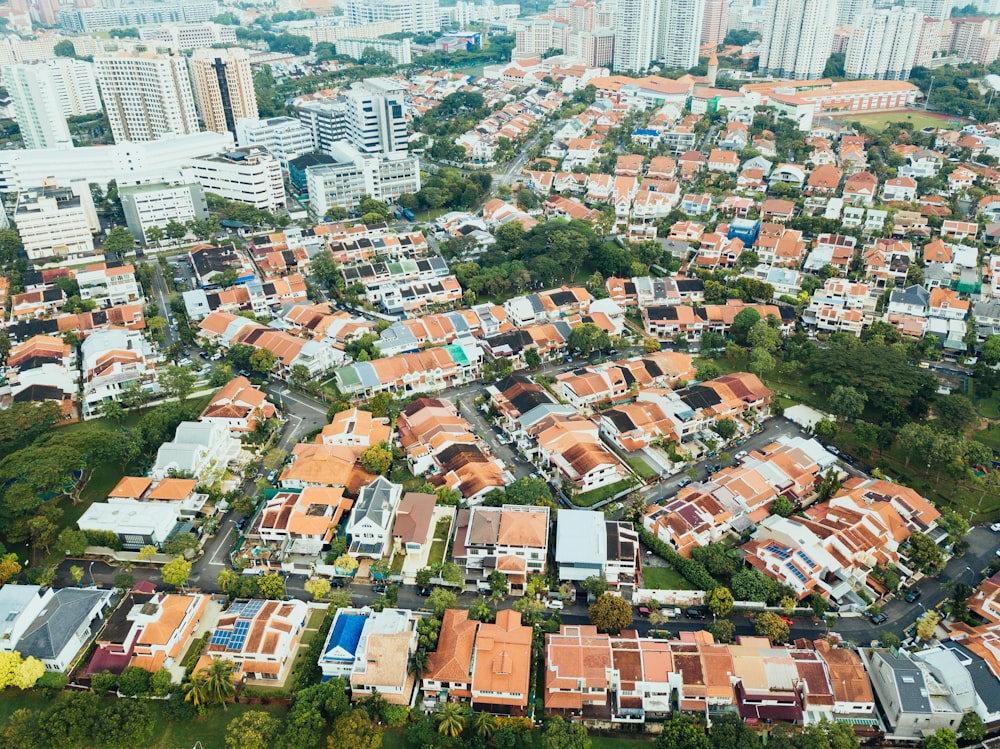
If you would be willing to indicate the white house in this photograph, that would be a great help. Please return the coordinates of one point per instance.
(370, 523)
(136, 524)
(51, 625)
(588, 544)
(199, 449)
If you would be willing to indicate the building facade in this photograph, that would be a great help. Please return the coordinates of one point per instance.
(884, 44)
(798, 38)
(223, 87)
(146, 206)
(249, 175)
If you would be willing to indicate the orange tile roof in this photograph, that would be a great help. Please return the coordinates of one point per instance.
(172, 489)
(131, 487)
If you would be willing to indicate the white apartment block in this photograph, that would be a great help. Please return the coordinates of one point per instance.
(798, 38)
(45, 93)
(849, 11)
(595, 49)
(57, 222)
(637, 26)
(115, 16)
(325, 31)
(147, 96)
(109, 284)
(533, 37)
(679, 32)
(940, 9)
(884, 44)
(128, 163)
(249, 175)
(189, 35)
(285, 137)
(354, 175)
(37, 108)
(327, 122)
(416, 16)
(400, 49)
(149, 205)
(465, 14)
(110, 361)
(376, 121)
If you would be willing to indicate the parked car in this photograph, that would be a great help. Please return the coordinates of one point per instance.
(643, 611)
(336, 582)
(272, 476)
(695, 613)
(788, 620)
(423, 592)
(554, 604)
(995, 527)
(380, 588)
(682, 483)
(879, 619)
(912, 596)
(740, 455)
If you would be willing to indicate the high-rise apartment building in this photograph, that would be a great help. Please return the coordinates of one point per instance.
(56, 222)
(884, 44)
(931, 40)
(376, 117)
(975, 39)
(285, 137)
(416, 16)
(637, 24)
(327, 121)
(190, 35)
(122, 15)
(44, 93)
(715, 22)
(940, 9)
(798, 35)
(147, 96)
(849, 11)
(351, 175)
(248, 175)
(595, 49)
(223, 87)
(679, 34)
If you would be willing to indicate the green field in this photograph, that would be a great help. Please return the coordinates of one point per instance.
(591, 498)
(916, 120)
(641, 467)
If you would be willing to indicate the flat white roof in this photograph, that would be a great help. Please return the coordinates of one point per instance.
(130, 517)
(581, 537)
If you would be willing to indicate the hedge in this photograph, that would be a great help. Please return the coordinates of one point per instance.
(692, 570)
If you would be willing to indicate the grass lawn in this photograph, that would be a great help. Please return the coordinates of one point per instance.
(397, 563)
(437, 553)
(664, 578)
(620, 742)
(316, 617)
(988, 407)
(392, 738)
(989, 437)
(209, 729)
(914, 119)
(642, 468)
(442, 528)
(591, 498)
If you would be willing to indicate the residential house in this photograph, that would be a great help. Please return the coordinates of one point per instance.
(260, 637)
(301, 521)
(239, 406)
(370, 524)
(502, 666)
(899, 189)
(355, 428)
(824, 180)
(512, 539)
(413, 529)
(201, 450)
(52, 625)
(448, 673)
(588, 544)
(860, 188)
(137, 524)
(774, 209)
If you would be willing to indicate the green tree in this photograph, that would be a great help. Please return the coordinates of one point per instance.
(451, 719)
(177, 382)
(317, 587)
(744, 321)
(610, 613)
(926, 625)
(255, 729)
(730, 732)
(499, 584)
(725, 428)
(176, 572)
(922, 552)
(441, 599)
(847, 403)
(125, 723)
(563, 734)
(154, 235)
(825, 429)
(683, 732)
(772, 626)
(723, 630)
(484, 724)
(175, 230)
(720, 601)
(532, 358)
(134, 681)
(272, 586)
(782, 506)
(955, 413)
(76, 572)
(356, 730)
(586, 338)
(376, 459)
(74, 543)
(212, 685)
(972, 727)
(64, 48)
(262, 360)
(943, 738)
(112, 411)
(118, 240)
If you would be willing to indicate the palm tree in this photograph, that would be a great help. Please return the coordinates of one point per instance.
(485, 725)
(418, 661)
(451, 719)
(212, 685)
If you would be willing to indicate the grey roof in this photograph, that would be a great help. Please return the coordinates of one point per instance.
(987, 685)
(377, 501)
(937, 272)
(65, 613)
(909, 681)
(397, 334)
(987, 308)
(367, 374)
(916, 295)
(14, 599)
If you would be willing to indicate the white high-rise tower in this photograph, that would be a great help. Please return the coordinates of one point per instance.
(679, 32)
(637, 24)
(884, 44)
(798, 38)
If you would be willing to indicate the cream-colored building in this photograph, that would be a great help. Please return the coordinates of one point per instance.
(223, 87)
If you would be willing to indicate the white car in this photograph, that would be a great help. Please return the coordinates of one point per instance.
(554, 605)
(995, 527)
(740, 455)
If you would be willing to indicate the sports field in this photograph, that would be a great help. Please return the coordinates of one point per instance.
(916, 119)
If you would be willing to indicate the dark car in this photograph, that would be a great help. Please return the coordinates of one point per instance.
(879, 619)
(380, 588)
(912, 596)
(682, 483)
(423, 592)
(336, 582)
(693, 613)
